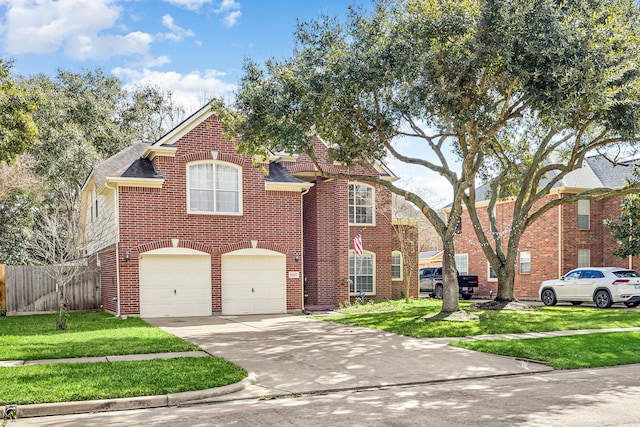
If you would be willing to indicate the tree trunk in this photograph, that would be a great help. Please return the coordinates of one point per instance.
(450, 278)
(506, 281)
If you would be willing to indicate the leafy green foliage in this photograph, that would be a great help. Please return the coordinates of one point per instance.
(17, 104)
(626, 230)
(521, 92)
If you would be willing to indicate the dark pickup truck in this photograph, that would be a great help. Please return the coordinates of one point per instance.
(431, 281)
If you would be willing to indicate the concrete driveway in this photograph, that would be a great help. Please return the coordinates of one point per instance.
(293, 354)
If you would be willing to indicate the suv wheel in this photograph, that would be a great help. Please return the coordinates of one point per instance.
(548, 297)
(438, 293)
(602, 299)
(631, 304)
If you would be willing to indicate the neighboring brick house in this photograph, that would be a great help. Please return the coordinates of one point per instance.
(186, 226)
(566, 237)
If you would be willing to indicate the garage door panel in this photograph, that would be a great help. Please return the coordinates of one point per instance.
(253, 284)
(175, 285)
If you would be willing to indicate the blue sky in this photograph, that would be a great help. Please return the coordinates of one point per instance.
(194, 48)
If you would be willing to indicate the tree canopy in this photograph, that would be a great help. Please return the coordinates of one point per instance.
(81, 119)
(17, 129)
(505, 93)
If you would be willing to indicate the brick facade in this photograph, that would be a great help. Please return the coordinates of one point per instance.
(553, 241)
(314, 225)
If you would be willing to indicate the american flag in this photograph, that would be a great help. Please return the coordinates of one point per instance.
(357, 244)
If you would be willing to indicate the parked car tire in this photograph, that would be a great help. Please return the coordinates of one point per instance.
(548, 297)
(602, 299)
(438, 292)
(466, 296)
(576, 302)
(632, 304)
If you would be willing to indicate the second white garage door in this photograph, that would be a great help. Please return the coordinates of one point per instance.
(175, 282)
(253, 282)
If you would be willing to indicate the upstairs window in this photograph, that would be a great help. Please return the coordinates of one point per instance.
(214, 187)
(584, 214)
(361, 204)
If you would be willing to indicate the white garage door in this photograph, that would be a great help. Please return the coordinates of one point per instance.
(175, 282)
(254, 282)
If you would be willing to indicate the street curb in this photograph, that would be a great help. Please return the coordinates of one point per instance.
(127, 403)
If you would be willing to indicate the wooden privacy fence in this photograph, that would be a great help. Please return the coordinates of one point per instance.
(29, 289)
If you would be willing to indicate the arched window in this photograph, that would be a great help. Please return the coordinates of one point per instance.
(214, 187)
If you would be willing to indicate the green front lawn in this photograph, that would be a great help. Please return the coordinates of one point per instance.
(88, 334)
(571, 352)
(65, 382)
(99, 334)
(411, 319)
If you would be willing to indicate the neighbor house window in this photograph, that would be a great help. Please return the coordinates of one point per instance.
(361, 204)
(584, 214)
(214, 187)
(492, 277)
(396, 265)
(584, 257)
(525, 262)
(462, 263)
(361, 273)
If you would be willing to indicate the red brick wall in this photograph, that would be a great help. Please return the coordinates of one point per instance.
(548, 259)
(108, 277)
(328, 241)
(150, 218)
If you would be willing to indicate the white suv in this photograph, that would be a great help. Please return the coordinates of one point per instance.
(602, 285)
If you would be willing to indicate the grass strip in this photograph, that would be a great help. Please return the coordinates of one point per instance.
(570, 352)
(103, 380)
(35, 337)
(411, 319)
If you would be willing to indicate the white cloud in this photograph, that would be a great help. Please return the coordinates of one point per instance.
(72, 26)
(85, 47)
(193, 5)
(230, 9)
(227, 5)
(177, 33)
(231, 19)
(191, 90)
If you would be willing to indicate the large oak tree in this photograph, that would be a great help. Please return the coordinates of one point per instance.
(508, 93)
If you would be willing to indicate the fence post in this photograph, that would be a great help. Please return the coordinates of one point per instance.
(3, 289)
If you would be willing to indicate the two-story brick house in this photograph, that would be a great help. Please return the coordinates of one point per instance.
(186, 226)
(568, 236)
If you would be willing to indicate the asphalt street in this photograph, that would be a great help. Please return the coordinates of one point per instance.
(591, 397)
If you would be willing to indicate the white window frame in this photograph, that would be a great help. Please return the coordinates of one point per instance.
(491, 275)
(584, 258)
(397, 262)
(584, 214)
(215, 164)
(353, 206)
(353, 285)
(525, 260)
(462, 260)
